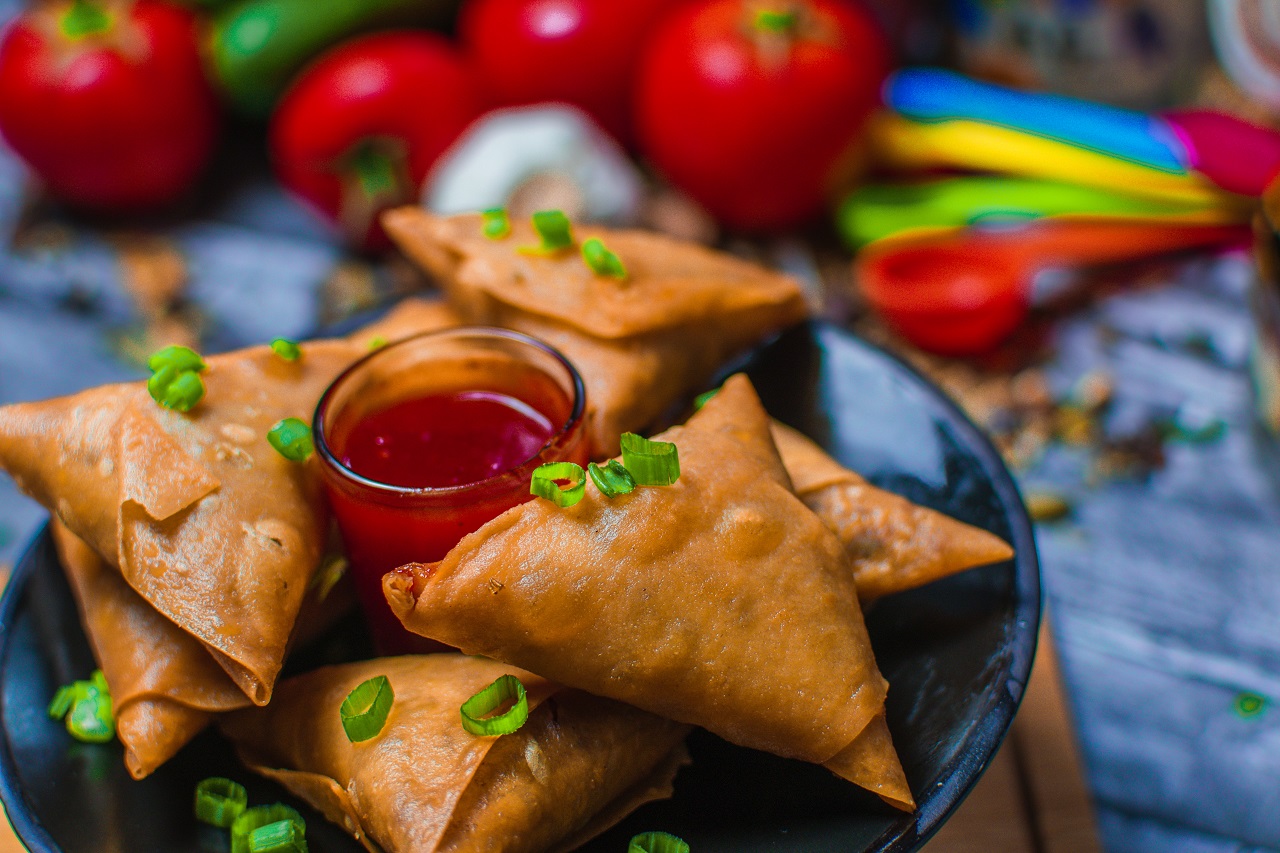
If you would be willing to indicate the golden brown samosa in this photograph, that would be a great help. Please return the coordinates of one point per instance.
(165, 687)
(203, 518)
(894, 544)
(641, 344)
(424, 784)
(720, 601)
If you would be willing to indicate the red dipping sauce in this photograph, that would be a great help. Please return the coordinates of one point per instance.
(426, 440)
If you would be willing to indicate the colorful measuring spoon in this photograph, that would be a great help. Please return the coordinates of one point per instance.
(934, 94)
(963, 294)
(1237, 156)
(911, 210)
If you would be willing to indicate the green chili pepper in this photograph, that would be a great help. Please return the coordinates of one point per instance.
(258, 45)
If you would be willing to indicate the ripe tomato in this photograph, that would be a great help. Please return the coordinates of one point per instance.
(750, 107)
(108, 103)
(580, 52)
(358, 131)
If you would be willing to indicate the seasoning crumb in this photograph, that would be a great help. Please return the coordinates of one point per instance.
(1048, 506)
(495, 585)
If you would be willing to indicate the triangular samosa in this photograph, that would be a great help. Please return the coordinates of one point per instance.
(720, 600)
(164, 685)
(641, 343)
(205, 520)
(577, 765)
(894, 544)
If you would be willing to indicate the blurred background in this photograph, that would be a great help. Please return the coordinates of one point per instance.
(1093, 277)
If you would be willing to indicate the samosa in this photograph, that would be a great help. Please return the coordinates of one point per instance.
(719, 601)
(894, 544)
(577, 765)
(203, 518)
(642, 342)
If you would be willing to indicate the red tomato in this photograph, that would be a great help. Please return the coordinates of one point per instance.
(113, 109)
(580, 52)
(754, 121)
(358, 131)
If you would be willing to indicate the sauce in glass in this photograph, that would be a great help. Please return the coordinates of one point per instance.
(428, 439)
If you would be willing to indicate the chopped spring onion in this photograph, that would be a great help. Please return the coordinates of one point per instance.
(377, 342)
(259, 816)
(601, 260)
(554, 230)
(86, 706)
(176, 388)
(506, 689)
(1250, 705)
(291, 437)
(704, 398)
(283, 836)
(178, 357)
(496, 224)
(657, 842)
(651, 463)
(613, 479)
(544, 483)
(286, 349)
(220, 801)
(365, 710)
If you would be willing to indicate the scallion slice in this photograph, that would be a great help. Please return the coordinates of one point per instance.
(651, 463)
(613, 479)
(554, 231)
(219, 801)
(283, 836)
(544, 483)
(496, 225)
(775, 20)
(86, 706)
(178, 357)
(259, 816)
(601, 260)
(291, 438)
(365, 710)
(657, 842)
(286, 349)
(176, 388)
(506, 689)
(704, 398)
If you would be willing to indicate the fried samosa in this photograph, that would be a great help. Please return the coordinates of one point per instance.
(577, 765)
(719, 601)
(894, 544)
(165, 687)
(204, 519)
(641, 343)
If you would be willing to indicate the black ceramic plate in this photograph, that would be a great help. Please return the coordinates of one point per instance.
(957, 654)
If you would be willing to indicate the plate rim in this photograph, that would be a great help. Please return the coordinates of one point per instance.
(959, 775)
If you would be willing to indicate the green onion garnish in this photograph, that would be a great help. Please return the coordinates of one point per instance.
(377, 342)
(86, 705)
(496, 224)
(704, 398)
(657, 842)
(283, 836)
(365, 710)
(291, 437)
(506, 689)
(553, 228)
(651, 463)
(176, 388)
(178, 357)
(775, 20)
(220, 801)
(1250, 705)
(613, 479)
(260, 816)
(544, 483)
(286, 349)
(601, 260)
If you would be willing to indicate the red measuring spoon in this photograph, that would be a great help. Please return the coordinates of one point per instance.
(963, 294)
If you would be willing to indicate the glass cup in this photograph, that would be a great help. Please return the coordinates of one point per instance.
(386, 525)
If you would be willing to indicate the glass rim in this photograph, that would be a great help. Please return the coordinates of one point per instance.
(329, 458)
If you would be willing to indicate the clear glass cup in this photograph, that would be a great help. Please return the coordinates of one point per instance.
(386, 525)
